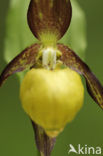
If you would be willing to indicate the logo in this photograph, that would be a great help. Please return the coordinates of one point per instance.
(84, 150)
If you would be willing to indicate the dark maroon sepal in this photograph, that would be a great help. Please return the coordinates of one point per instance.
(24, 60)
(44, 143)
(52, 16)
(70, 59)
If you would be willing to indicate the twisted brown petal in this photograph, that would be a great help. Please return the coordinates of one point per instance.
(25, 59)
(70, 59)
(49, 15)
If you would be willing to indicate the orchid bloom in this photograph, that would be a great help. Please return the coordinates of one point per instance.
(49, 21)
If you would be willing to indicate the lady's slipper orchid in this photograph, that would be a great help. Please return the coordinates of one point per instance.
(48, 21)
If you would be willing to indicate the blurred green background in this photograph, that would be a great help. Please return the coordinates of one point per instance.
(16, 133)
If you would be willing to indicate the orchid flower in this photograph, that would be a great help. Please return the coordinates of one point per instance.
(49, 20)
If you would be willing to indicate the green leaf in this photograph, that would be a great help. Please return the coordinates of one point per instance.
(75, 37)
